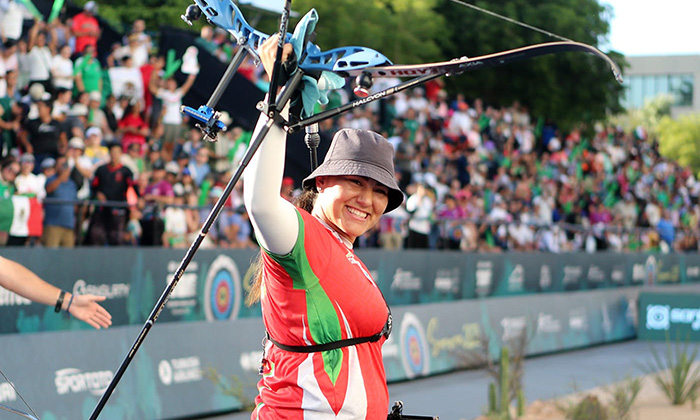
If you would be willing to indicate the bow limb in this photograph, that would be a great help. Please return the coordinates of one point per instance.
(490, 60)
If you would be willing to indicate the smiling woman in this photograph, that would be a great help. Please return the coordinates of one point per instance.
(325, 317)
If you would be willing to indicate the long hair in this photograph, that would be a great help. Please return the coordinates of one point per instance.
(304, 201)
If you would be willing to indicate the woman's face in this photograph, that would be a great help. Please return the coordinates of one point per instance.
(350, 204)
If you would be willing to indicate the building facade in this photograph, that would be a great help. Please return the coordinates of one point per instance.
(651, 76)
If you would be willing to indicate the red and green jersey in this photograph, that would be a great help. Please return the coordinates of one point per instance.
(320, 293)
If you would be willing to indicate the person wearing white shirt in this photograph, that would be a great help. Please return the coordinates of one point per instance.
(28, 183)
(62, 69)
(40, 55)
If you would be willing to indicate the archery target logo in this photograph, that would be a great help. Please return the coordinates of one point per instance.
(414, 347)
(222, 290)
(658, 317)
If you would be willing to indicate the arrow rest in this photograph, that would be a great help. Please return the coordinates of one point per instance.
(364, 83)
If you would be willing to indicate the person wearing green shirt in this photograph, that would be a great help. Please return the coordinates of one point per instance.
(88, 72)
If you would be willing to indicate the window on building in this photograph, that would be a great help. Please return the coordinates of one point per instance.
(641, 88)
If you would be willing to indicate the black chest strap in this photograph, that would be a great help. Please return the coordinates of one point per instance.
(385, 332)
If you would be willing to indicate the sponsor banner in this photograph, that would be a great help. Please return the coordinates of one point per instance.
(174, 373)
(214, 285)
(669, 316)
(169, 376)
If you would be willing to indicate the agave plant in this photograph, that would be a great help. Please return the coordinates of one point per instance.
(675, 374)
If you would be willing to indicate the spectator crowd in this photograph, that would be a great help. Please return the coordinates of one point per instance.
(94, 151)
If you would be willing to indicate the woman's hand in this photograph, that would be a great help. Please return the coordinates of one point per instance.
(268, 53)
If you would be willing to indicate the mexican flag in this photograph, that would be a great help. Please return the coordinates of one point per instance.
(21, 216)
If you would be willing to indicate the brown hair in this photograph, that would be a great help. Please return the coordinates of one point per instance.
(304, 201)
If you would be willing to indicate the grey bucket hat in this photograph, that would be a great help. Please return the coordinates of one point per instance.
(362, 153)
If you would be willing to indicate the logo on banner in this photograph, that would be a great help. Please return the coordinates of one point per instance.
(447, 280)
(484, 276)
(73, 380)
(110, 291)
(222, 290)
(414, 347)
(183, 299)
(658, 317)
(405, 280)
(516, 279)
(179, 371)
(8, 298)
(545, 277)
(7, 393)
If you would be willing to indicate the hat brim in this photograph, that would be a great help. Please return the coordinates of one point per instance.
(368, 170)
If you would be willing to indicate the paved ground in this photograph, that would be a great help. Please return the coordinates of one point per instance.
(462, 395)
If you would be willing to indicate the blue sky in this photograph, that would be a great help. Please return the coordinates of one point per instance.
(655, 27)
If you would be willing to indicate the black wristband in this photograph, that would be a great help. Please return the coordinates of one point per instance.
(59, 302)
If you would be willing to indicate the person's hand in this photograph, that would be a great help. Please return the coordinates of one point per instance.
(268, 53)
(101, 196)
(86, 309)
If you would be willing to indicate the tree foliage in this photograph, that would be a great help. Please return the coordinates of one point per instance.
(569, 88)
(679, 140)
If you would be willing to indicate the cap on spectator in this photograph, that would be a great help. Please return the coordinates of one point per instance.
(93, 131)
(158, 165)
(77, 143)
(155, 147)
(78, 110)
(36, 91)
(26, 158)
(96, 96)
(172, 168)
(186, 171)
(182, 155)
(48, 163)
(90, 6)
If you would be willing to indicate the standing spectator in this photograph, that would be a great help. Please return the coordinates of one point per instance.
(94, 150)
(9, 169)
(11, 20)
(62, 74)
(88, 72)
(133, 128)
(96, 116)
(41, 55)
(43, 136)
(110, 183)
(133, 160)
(420, 206)
(199, 166)
(59, 220)
(28, 183)
(157, 194)
(171, 96)
(175, 224)
(86, 28)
